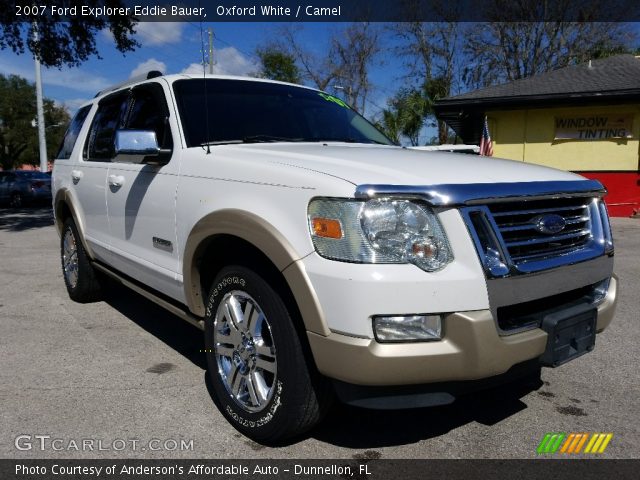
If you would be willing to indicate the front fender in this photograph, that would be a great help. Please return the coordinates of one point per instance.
(265, 237)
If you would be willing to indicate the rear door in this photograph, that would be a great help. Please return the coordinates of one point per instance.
(141, 200)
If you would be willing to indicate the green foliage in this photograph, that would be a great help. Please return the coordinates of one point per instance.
(405, 115)
(278, 65)
(389, 124)
(18, 136)
(412, 106)
(64, 41)
(604, 49)
(452, 56)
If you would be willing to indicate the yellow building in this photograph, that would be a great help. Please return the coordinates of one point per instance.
(583, 118)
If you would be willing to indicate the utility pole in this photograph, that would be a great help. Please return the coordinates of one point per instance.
(210, 50)
(40, 109)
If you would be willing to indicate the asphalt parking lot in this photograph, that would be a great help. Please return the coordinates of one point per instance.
(125, 369)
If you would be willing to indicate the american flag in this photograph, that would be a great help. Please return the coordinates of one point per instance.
(486, 146)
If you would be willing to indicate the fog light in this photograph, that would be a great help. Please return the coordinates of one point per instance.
(408, 328)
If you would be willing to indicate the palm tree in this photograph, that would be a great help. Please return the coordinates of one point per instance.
(389, 124)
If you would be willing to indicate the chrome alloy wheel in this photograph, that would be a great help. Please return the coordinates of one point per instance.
(70, 258)
(244, 350)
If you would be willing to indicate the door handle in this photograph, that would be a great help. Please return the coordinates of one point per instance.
(116, 180)
(76, 175)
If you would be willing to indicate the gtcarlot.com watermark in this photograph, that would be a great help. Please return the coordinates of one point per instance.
(41, 443)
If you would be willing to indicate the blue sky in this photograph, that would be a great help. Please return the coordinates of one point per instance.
(175, 47)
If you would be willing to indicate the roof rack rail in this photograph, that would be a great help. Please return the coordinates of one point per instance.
(136, 79)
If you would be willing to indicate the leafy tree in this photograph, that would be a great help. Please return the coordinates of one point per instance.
(432, 53)
(405, 115)
(278, 65)
(18, 136)
(603, 50)
(448, 56)
(435, 89)
(412, 106)
(64, 40)
(389, 124)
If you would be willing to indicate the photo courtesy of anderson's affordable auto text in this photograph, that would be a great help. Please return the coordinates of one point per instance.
(337, 239)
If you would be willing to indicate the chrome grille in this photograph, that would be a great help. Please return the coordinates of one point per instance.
(518, 225)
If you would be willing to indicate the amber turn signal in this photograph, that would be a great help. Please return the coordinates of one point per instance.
(326, 227)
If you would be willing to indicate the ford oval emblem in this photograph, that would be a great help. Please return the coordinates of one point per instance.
(549, 224)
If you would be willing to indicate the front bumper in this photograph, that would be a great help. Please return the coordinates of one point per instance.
(471, 349)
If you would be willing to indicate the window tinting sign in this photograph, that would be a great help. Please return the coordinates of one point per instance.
(594, 127)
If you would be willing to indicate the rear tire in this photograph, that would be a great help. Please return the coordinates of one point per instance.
(261, 379)
(79, 275)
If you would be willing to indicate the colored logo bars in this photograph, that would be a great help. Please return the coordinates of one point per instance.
(574, 443)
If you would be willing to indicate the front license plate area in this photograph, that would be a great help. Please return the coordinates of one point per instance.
(571, 333)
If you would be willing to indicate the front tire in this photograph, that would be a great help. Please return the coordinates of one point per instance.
(79, 275)
(261, 380)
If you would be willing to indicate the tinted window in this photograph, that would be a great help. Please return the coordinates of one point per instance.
(243, 111)
(72, 132)
(109, 117)
(148, 111)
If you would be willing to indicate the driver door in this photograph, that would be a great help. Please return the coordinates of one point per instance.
(141, 200)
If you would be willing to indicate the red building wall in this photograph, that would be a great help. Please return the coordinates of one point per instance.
(624, 191)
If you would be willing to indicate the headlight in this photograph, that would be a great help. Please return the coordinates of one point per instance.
(379, 231)
(406, 230)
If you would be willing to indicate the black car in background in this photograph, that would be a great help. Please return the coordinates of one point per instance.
(20, 187)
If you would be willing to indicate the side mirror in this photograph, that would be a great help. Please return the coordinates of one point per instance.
(139, 146)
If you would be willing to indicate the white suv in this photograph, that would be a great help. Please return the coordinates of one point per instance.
(319, 258)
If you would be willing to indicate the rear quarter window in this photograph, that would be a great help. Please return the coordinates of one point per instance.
(71, 135)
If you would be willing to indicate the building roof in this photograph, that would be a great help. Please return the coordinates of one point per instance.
(617, 74)
(614, 79)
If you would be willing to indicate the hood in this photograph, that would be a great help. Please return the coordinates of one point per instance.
(377, 164)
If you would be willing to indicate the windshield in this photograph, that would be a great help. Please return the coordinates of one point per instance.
(242, 111)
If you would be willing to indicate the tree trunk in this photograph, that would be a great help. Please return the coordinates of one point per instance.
(443, 132)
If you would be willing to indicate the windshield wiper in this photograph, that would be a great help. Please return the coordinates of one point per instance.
(221, 142)
(253, 139)
(330, 139)
(274, 138)
(268, 138)
(345, 140)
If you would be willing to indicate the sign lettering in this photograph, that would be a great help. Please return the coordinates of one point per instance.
(594, 127)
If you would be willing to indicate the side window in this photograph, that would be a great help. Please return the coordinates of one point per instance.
(71, 135)
(109, 118)
(149, 111)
